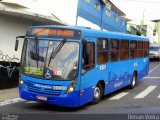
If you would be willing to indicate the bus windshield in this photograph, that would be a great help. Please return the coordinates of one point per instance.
(45, 59)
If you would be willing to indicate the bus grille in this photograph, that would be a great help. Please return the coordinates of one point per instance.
(30, 87)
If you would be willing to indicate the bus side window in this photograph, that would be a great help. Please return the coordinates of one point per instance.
(102, 50)
(88, 58)
(114, 50)
(146, 49)
(133, 49)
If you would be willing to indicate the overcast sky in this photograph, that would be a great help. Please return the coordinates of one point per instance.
(139, 9)
(132, 8)
(66, 9)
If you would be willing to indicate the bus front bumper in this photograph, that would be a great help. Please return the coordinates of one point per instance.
(67, 100)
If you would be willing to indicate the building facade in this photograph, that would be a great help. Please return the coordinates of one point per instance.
(148, 29)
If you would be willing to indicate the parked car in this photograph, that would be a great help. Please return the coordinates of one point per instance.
(154, 51)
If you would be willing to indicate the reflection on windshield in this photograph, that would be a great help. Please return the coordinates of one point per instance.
(62, 66)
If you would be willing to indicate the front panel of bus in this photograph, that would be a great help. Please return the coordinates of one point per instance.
(50, 66)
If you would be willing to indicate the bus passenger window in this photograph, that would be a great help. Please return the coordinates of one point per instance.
(102, 50)
(88, 58)
(124, 53)
(146, 49)
(114, 50)
(133, 49)
(140, 49)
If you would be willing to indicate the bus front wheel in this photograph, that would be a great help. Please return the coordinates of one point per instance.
(134, 80)
(98, 92)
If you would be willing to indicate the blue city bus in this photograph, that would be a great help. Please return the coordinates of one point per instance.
(71, 66)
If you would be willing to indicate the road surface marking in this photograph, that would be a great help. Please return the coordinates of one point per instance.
(145, 92)
(154, 68)
(30, 102)
(152, 77)
(11, 101)
(120, 95)
(158, 96)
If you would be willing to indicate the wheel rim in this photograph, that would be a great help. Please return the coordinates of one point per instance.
(96, 93)
(134, 81)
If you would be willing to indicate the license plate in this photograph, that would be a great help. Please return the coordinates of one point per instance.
(41, 98)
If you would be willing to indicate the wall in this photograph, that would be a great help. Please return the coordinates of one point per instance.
(10, 27)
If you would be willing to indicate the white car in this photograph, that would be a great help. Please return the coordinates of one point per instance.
(154, 51)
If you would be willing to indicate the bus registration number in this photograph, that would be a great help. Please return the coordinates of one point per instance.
(41, 98)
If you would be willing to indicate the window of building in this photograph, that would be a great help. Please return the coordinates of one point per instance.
(140, 49)
(97, 5)
(116, 18)
(122, 22)
(108, 13)
(133, 49)
(124, 53)
(108, 5)
(146, 49)
(87, 1)
(88, 59)
(114, 50)
(102, 50)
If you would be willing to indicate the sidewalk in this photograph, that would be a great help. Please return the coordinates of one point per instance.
(6, 94)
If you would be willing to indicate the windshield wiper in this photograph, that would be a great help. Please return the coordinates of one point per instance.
(58, 48)
(37, 49)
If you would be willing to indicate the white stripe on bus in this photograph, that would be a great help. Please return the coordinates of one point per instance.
(145, 92)
(119, 96)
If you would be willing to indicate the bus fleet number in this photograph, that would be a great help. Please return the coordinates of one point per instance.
(102, 67)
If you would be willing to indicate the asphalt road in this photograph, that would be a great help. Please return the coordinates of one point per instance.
(143, 99)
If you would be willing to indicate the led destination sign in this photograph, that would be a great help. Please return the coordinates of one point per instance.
(54, 32)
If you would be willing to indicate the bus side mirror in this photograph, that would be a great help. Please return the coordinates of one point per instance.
(16, 44)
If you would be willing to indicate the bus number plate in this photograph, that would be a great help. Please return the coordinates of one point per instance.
(41, 98)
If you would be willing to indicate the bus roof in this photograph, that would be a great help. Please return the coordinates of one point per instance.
(87, 32)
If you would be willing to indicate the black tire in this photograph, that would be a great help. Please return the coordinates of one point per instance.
(134, 81)
(98, 93)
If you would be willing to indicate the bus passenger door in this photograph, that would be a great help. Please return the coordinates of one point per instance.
(88, 73)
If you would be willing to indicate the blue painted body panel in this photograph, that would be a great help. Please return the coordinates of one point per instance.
(116, 75)
(68, 100)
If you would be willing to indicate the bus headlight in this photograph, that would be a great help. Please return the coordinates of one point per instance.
(72, 86)
(70, 89)
(20, 80)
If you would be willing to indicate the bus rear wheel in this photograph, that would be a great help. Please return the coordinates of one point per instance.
(98, 92)
(134, 81)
